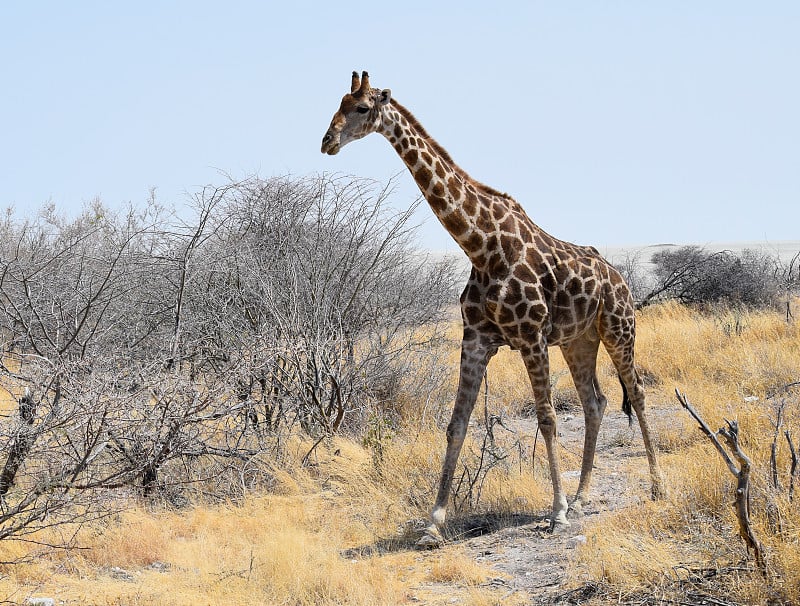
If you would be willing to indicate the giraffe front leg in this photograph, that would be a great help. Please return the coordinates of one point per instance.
(474, 358)
(537, 364)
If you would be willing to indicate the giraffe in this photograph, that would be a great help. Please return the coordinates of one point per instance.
(526, 289)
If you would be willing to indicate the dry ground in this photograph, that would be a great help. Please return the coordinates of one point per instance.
(532, 565)
(341, 530)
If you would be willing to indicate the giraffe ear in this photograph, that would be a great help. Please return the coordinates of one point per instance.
(385, 96)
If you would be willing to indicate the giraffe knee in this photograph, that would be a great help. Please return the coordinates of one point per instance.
(456, 430)
(547, 421)
(593, 411)
(637, 388)
(593, 401)
(637, 398)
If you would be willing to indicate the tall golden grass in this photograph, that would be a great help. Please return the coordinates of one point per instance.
(729, 363)
(336, 531)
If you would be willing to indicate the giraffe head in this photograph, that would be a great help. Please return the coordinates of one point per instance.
(358, 115)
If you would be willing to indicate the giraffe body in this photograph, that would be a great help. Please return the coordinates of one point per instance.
(527, 290)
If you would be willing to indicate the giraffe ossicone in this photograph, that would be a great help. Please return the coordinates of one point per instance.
(527, 290)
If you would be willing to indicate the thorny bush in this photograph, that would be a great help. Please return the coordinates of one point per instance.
(145, 352)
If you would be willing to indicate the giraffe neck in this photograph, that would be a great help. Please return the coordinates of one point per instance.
(484, 222)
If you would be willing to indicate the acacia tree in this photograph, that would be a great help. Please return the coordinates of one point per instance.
(692, 275)
(320, 277)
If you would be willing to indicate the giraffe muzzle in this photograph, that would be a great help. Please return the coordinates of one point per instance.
(330, 143)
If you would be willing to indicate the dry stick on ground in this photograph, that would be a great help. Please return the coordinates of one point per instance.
(792, 451)
(793, 469)
(773, 457)
(742, 473)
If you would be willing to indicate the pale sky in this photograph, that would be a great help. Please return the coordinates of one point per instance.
(611, 122)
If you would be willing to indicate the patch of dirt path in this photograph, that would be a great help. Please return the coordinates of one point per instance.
(532, 563)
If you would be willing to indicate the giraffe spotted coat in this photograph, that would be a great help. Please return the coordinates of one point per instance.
(527, 290)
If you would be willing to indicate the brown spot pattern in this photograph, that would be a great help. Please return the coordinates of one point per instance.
(527, 288)
(423, 177)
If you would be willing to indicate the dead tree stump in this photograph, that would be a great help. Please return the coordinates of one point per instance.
(742, 473)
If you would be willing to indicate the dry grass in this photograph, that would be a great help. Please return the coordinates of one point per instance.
(321, 540)
(455, 567)
(333, 532)
(727, 373)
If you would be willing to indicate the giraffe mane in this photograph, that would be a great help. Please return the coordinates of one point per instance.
(443, 152)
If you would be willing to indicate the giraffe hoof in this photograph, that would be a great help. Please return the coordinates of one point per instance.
(431, 539)
(558, 526)
(658, 492)
(575, 510)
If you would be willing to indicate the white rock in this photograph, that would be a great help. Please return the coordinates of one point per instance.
(578, 539)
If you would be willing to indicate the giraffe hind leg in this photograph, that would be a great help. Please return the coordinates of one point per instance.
(581, 358)
(633, 390)
(626, 401)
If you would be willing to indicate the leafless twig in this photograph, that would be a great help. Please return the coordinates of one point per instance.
(793, 468)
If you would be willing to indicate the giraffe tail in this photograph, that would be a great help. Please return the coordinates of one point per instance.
(626, 402)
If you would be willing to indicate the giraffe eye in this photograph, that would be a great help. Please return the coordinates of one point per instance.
(362, 110)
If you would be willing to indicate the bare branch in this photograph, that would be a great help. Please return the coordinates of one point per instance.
(793, 468)
(684, 401)
(742, 473)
